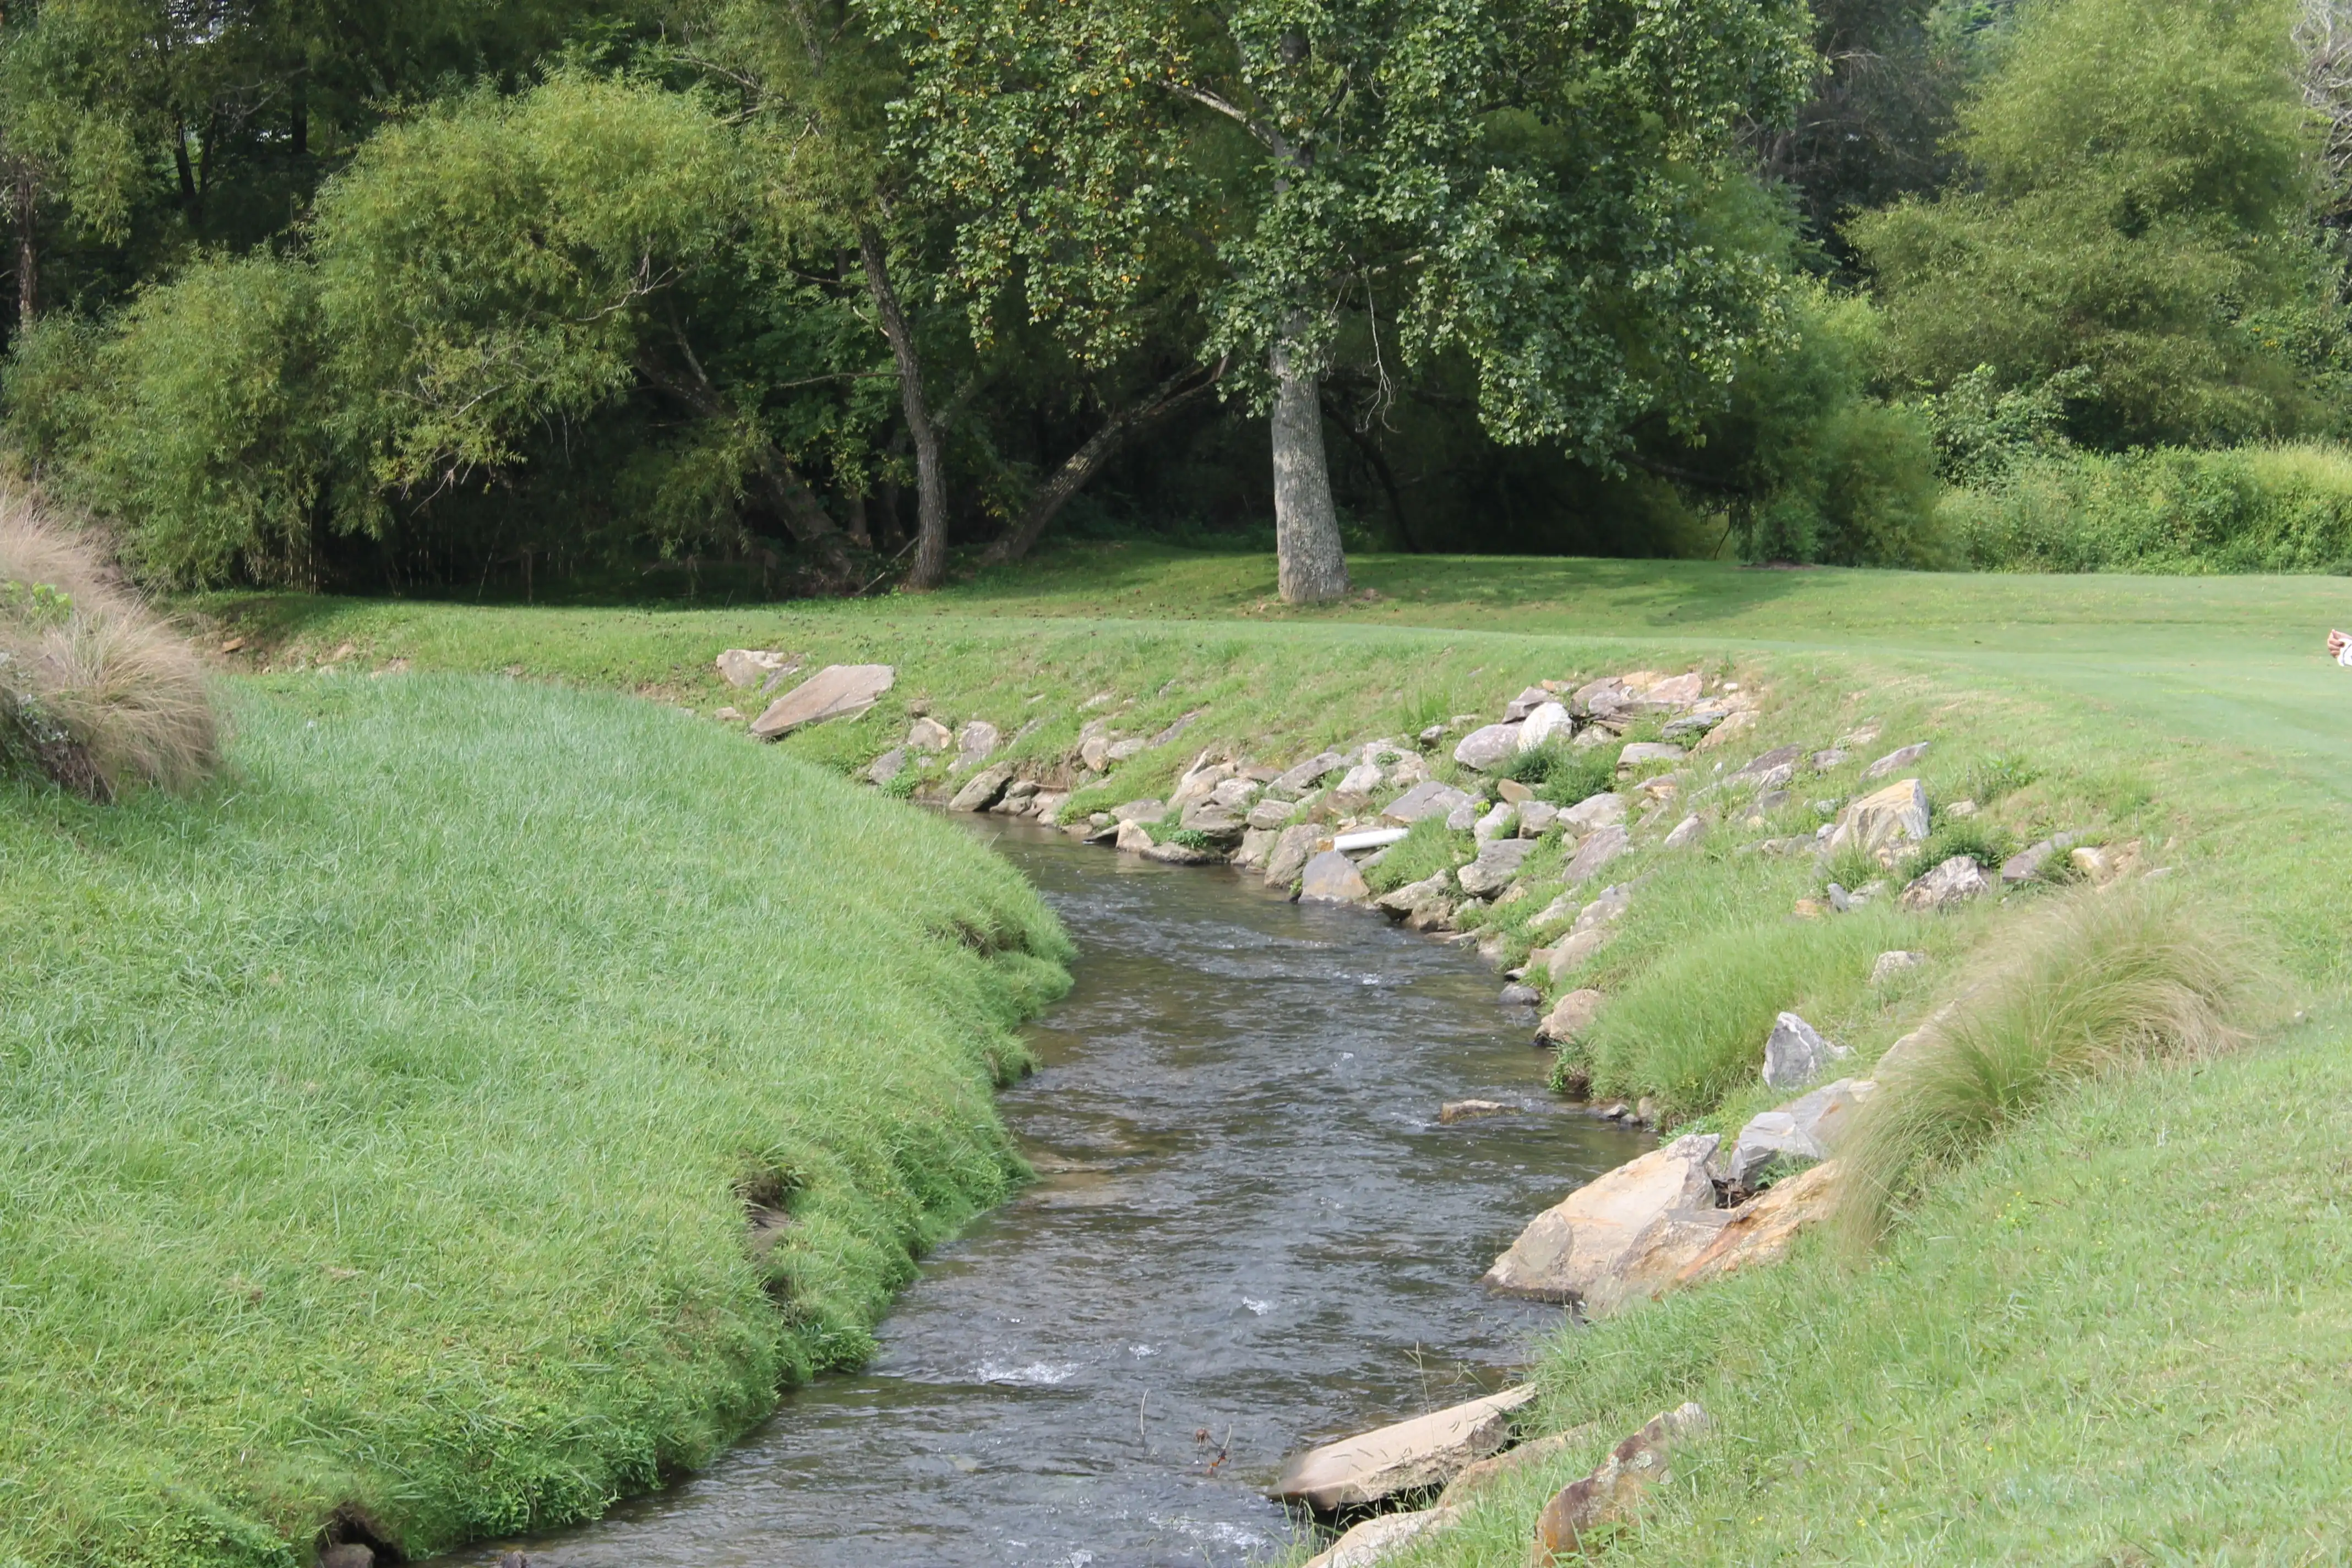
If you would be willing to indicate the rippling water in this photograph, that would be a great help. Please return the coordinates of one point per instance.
(1251, 1235)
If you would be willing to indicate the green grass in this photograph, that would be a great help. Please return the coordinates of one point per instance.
(374, 1124)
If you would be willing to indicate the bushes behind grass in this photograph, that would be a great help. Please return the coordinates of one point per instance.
(2128, 973)
(95, 691)
(2284, 508)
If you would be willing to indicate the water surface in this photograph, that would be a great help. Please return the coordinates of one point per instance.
(1252, 1234)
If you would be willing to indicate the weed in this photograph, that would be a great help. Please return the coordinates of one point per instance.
(1427, 847)
(2003, 773)
(1971, 835)
(1190, 837)
(1852, 867)
(2098, 979)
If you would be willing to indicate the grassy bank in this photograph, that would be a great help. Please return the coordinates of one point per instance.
(377, 1126)
(2115, 1336)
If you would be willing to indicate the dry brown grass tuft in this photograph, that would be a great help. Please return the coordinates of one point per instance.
(2100, 979)
(95, 688)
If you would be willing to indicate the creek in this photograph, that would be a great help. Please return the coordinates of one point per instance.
(1251, 1232)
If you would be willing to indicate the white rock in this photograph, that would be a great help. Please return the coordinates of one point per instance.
(976, 741)
(1488, 748)
(1605, 810)
(1534, 816)
(1548, 723)
(1894, 762)
(741, 666)
(1428, 798)
(1361, 780)
(1648, 754)
(1949, 886)
(928, 735)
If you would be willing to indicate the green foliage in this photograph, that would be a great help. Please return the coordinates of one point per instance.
(2137, 217)
(1983, 431)
(1564, 774)
(1426, 848)
(1984, 842)
(2286, 508)
(2002, 772)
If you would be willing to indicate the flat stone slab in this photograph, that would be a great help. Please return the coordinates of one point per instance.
(1411, 1456)
(1619, 1238)
(837, 691)
(1487, 748)
(1807, 1128)
(1602, 846)
(1428, 798)
(1377, 1539)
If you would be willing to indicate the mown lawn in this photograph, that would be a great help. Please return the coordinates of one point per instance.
(377, 1126)
(2115, 1340)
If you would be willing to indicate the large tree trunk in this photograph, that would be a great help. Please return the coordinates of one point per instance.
(1082, 465)
(930, 567)
(1311, 566)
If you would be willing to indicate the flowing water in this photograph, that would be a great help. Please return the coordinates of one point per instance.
(1252, 1234)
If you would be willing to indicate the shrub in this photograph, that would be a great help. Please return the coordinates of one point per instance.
(1428, 847)
(1564, 774)
(1969, 835)
(2098, 980)
(95, 691)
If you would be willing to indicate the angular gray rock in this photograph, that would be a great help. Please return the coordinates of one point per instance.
(1795, 1053)
(1648, 754)
(980, 791)
(1496, 824)
(1568, 955)
(1306, 775)
(1691, 726)
(1221, 823)
(976, 741)
(1498, 863)
(1514, 994)
(1807, 1128)
(1547, 721)
(1331, 878)
(1604, 810)
(1463, 818)
(1257, 844)
(1292, 849)
(1139, 810)
(741, 666)
(1673, 693)
(1947, 885)
(1617, 1239)
(1893, 962)
(837, 691)
(1417, 898)
(1428, 798)
(1600, 847)
(1896, 815)
(1525, 703)
(1896, 761)
(928, 735)
(1757, 767)
(1536, 816)
(1606, 909)
(1687, 832)
(1133, 839)
(1272, 815)
(886, 766)
(2027, 863)
(1019, 798)
(1487, 748)
(1374, 1541)
(1571, 1015)
(1823, 762)
(1176, 854)
(1410, 1455)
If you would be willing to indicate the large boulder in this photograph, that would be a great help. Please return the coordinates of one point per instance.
(1359, 781)
(1879, 821)
(1139, 810)
(1496, 865)
(1221, 824)
(1549, 721)
(1330, 878)
(1611, 1495)
(980, 791)
(1292, 849)
(1175, 854)
(1571, 1015)
(1673, 693)
(1257, 844)
(1604, 810)
(1759, 1231)
(837, 691)
(1271, 815)
(1948, 885)
(1534, 816)
(1600, 847)
(1795, 1053)
(1410, 1455)
(1487, 748)
(1806, 1128)
(1617, 1239)
(1493, 823)
(1429, 798)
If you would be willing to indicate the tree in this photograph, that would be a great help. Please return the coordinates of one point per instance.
(1510, 181)
(2139, 215)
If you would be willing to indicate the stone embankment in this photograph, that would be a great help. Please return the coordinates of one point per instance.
(1690, 1211)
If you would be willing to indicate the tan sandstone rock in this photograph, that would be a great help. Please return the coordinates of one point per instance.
(837, 691)
(1614, 1493)
(1410, 1455)
(1617, 1239)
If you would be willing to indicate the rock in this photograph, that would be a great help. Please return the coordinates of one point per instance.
(1360, 781)
(1045, 804)
(1428, 798)
(1122, 750)
(1369, 839)
(1133, 839)
(1497, 864)
(1896, 761)
(1962, 809)
(1291, 849)
(1306, 775)
(1675, 692)
(2100, 865)
(1877, 821)
(1648, 754)
(928, 735)
(1513, 792)
(1474, 1477)
(1256, 847)
(1692, 726)
(1600, 847)
(1740, 722)
(2027, 863)
(1272, 815)
(1612, 1494)
(1686, 833)
(1199, 783)
(348, 1554)
(886, 766)
(1095, 752)
(1410, 1455)
(1526, 702)
(1795, 1053)
(1211, 820)
(1454, 1111)
(741, 666)
(1492, 826)
(1549, 721)
(1416, 898)
(1488, 748)
(837, 691)
(1604, 810)
(1771, 762)
(1377, 1539)
(1515, 994)
(1170, 734)
(1138, 810)
(976, 741)
(1773, 782)
(1570, 952)
(1606, 909)
(1949, 886)
(1893, 962)
(1176, 854)
(1535, 817)
(1603, 701)
(1571, 1016)
(980, 791)
(1823, 762)
(1611, 1240)
(1808, 1128)
(1331, 878)
(1463, 818)
(730, 715)
(1759, 1231)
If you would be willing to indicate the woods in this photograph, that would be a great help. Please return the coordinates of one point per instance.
(852, 293)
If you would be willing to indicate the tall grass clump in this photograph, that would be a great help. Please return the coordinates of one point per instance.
(95, 691)
(2099, 980)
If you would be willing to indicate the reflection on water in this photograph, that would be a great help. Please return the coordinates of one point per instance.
(1251, 1234)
